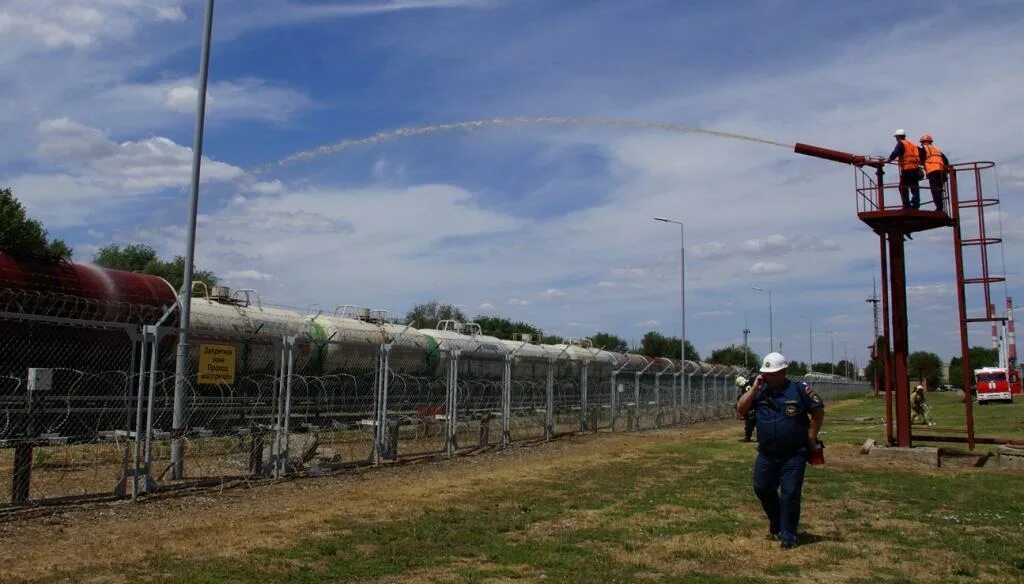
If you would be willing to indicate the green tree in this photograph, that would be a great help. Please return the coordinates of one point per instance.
(846, 368)
(553, 340)
(142, 258)
(655, 344)
(734, 355)
(796, 368)
(979, 356)
(504, 328)
(21, 234)
(610, 342)
(428, 314)
(925, 365)
(825, 367)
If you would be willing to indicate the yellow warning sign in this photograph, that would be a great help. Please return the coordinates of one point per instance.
(216, 364)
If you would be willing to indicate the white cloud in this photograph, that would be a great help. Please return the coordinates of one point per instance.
(651, 322)
(712, 313)
(238, 99)
(486, 306)
(767, 268)
(774, 244)
(272, 187)
(247, 275)
(606, 284)
(710, 250)
(629, 272)
(518, 302)
(553, 293)
(92, 171)
(34, 26)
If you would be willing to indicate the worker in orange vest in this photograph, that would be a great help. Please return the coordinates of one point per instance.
(910, 169)
(936, 168)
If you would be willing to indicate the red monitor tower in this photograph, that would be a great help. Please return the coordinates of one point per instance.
(880, 206)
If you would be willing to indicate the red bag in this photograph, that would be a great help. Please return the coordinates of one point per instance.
(818, 454)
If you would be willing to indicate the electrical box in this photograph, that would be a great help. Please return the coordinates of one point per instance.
(40, 379)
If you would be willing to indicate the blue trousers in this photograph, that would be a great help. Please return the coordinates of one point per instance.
(778, 483)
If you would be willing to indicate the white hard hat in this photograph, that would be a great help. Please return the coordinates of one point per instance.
(900, 132)
(919, 387)
(741, 381)
(773, 362)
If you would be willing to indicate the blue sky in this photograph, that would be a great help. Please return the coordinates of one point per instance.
(550, 224)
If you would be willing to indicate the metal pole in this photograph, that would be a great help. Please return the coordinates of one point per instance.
(832, 342)
(771, 328)
(178, 470)
(810, 341)
(682, 298)
(682, 292)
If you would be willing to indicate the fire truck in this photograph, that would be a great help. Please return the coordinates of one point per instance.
(995, 384)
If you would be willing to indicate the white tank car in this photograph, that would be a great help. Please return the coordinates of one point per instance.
(240, 319)
(480, 356)
(351, 339)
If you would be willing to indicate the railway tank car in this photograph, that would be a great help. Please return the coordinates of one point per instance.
(82, 320)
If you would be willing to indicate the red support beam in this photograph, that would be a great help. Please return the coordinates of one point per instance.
(898, 289)
(886, 339)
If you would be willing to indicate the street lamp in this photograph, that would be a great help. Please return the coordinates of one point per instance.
(682, 296)
(832, 342)
(810, 341)
(178, 421)
(771, 332)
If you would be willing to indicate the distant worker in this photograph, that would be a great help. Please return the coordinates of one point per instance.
(910, 169)
(936, 168)
(749, 420)
(789, 416)
(920, 411)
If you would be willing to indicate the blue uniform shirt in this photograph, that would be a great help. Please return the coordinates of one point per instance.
(783, 419)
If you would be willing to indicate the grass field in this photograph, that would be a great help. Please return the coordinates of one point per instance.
(666, 506)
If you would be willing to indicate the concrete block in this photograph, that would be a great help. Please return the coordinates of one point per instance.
(1010, 457)
(922, 454)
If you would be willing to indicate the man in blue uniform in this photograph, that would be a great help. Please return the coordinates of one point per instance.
(789, 416)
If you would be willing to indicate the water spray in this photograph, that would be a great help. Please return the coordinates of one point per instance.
(408, 132)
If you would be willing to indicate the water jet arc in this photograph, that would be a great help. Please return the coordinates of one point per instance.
(408, 132)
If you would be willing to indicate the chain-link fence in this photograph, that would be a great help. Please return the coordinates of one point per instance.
(98, 409)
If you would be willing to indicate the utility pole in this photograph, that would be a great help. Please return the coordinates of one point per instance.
(746, 332)
(875, 353)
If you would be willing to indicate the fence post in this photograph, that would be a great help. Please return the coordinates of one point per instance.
(583, 397)
(549, 413)
(657, 400)
(21, 475)
(613, 403)
(137, 455)
(506, 402)
(380, 446)
(675, 398)
(150, 484)
(636, 401)
(451, 440)
(282, 370)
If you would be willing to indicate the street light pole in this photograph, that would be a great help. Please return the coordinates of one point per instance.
(682, 297)
(832, 341)
(810, 342)
(771, 332)
(185, 294)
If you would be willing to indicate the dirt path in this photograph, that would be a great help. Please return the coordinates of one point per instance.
(232, 522)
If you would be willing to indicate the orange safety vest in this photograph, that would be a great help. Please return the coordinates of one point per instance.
(911, 158)
(932, 159)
